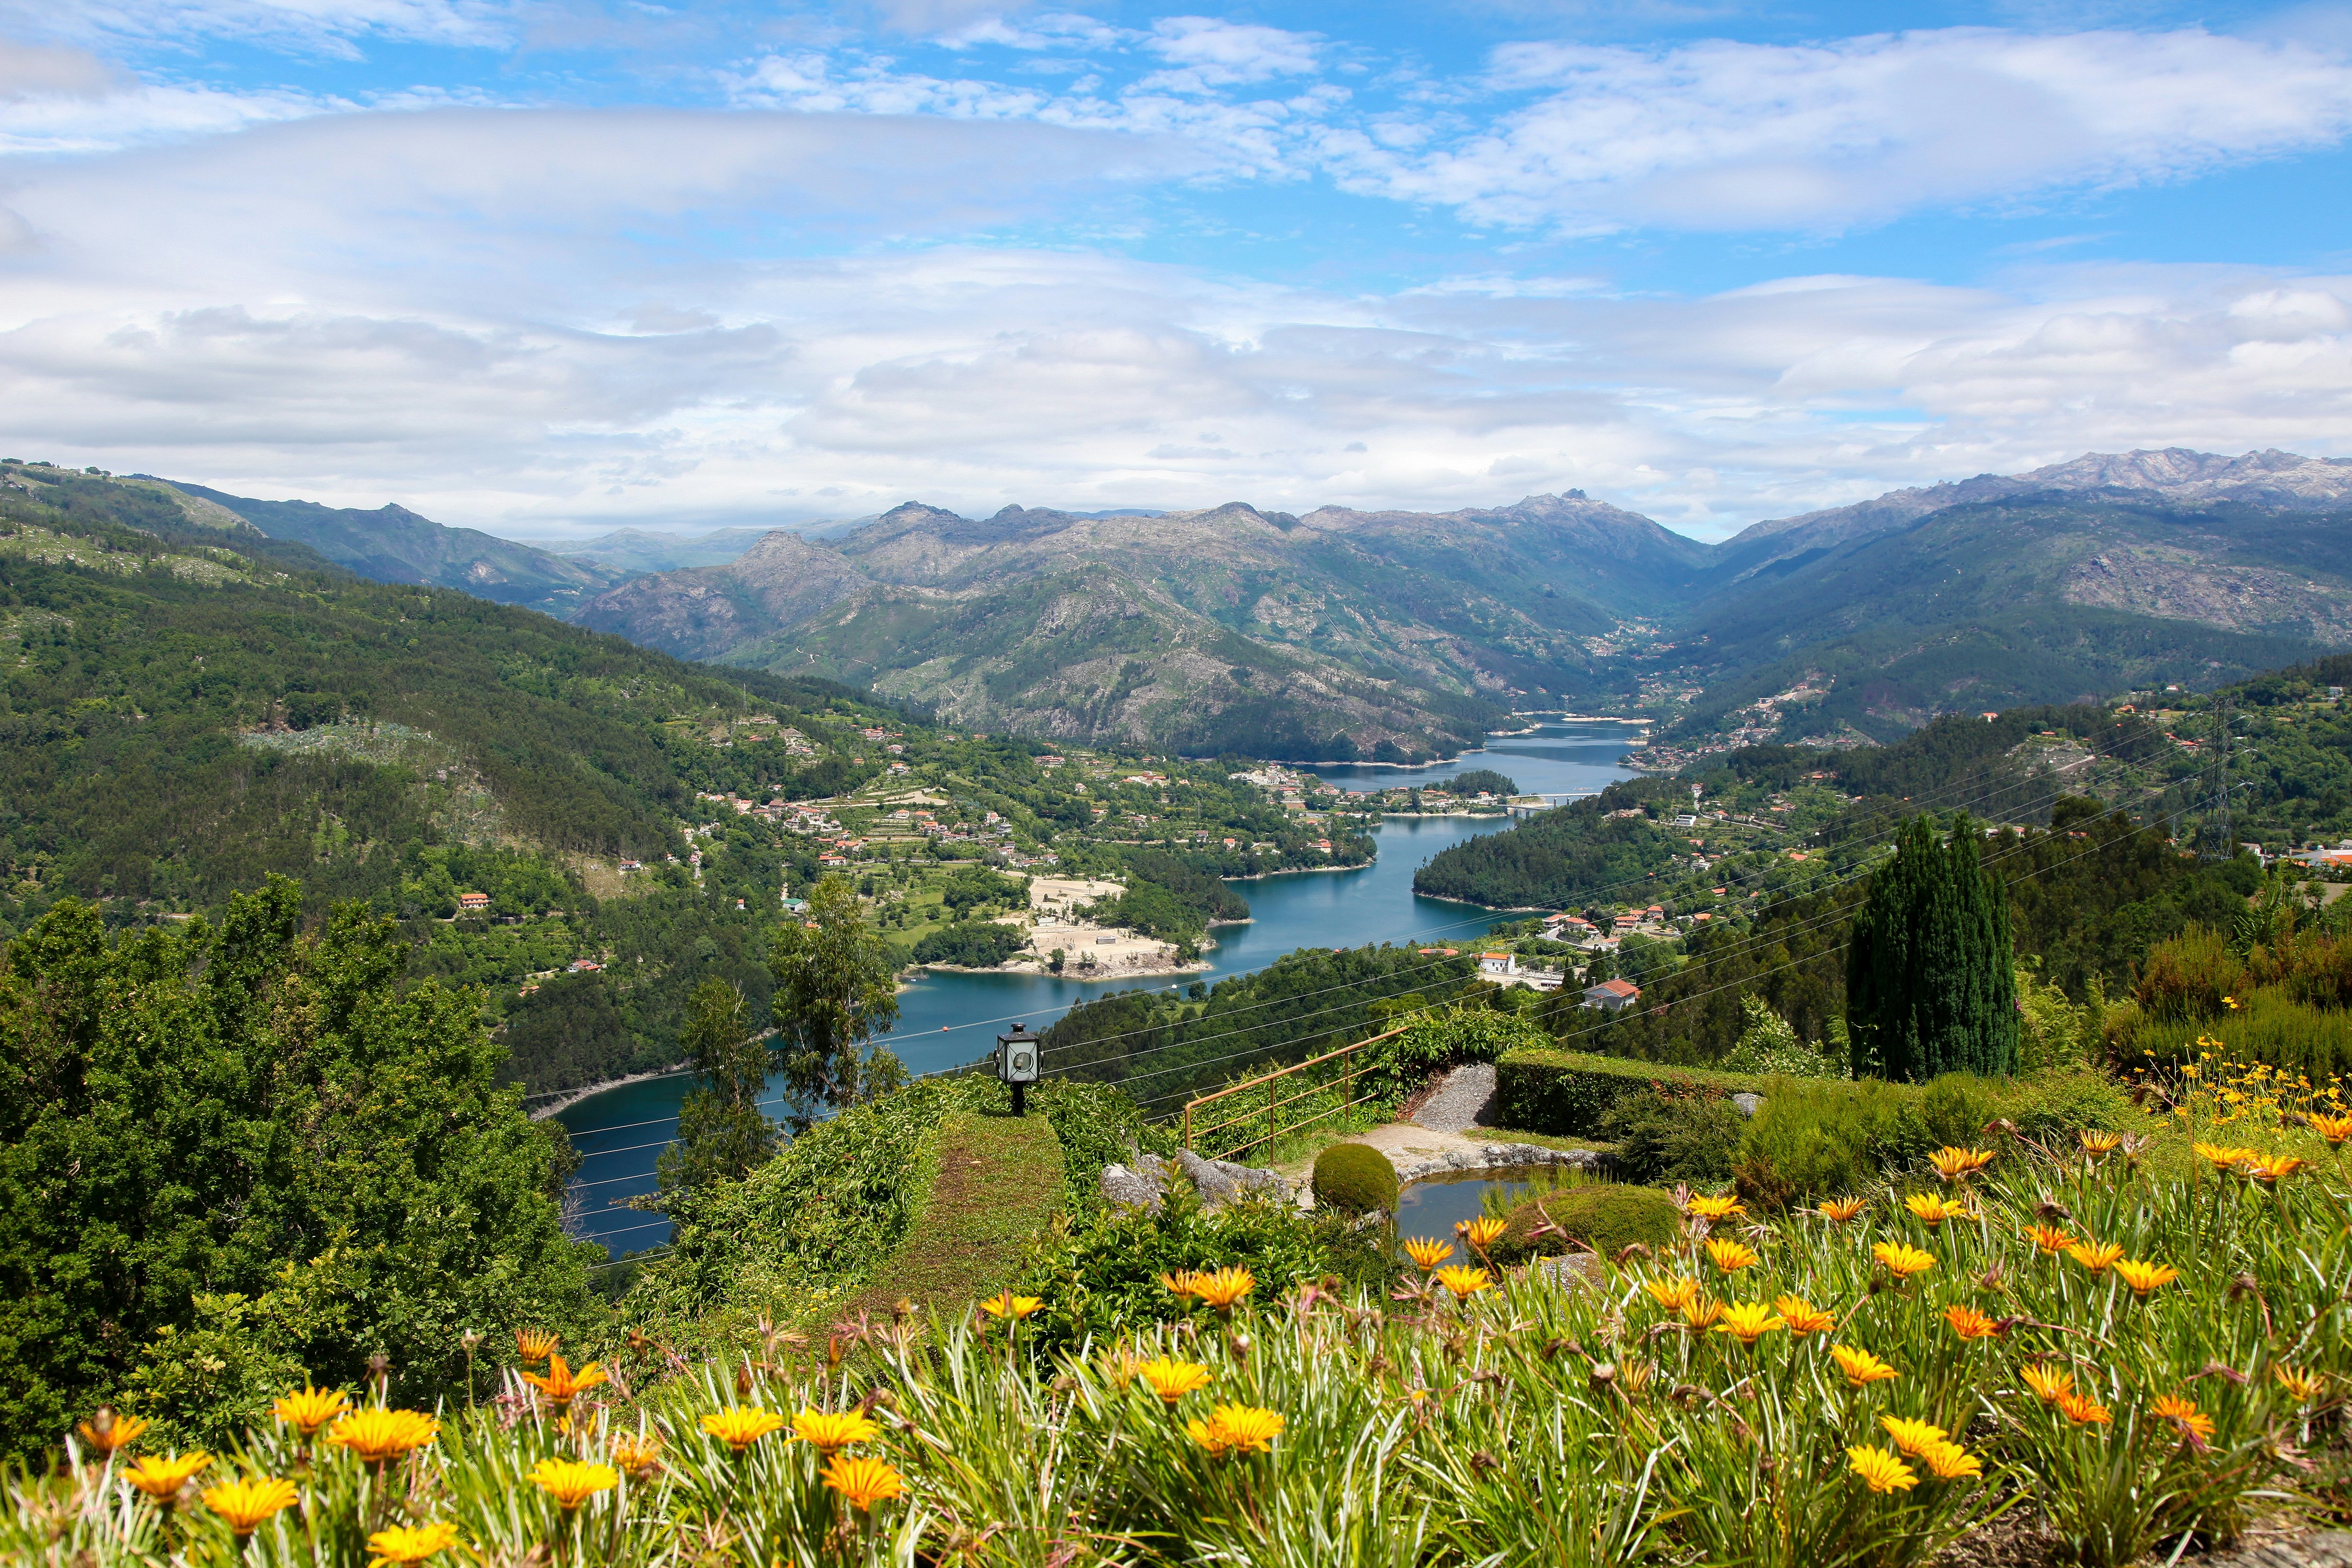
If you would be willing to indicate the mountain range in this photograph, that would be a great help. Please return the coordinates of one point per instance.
(1393, 635)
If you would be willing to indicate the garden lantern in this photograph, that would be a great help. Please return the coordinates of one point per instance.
(1016, 1064)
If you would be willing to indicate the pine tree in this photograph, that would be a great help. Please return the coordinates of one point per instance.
(1931, 980)
(722, 1134)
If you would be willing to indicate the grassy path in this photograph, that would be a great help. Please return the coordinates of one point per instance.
(999, 1183)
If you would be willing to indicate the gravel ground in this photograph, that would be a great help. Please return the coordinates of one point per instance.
(1464, 1100)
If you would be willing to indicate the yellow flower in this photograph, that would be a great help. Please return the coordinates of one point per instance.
(1748, 1322)
(1880, 1472)
(1221, 1289)
(571, 1483)
(2050, 1383)
(831, 1431)
(2334, 1129)
(161, 1479)
(1860, 1368)
(1008, 1305)
(2049, 1238)
(1481, 1233)
(1236, 1429)
(2096, 1142)
(1180, 1284)
(309, 1409)
(1969, 1323)
(535, 1344)
(1839, 1210)
(2184, 1414)
(376, 1435)
(1802, 1317)
(1932, 1210)
(1698, 1312)
(2232, 1002)
(111, 1432)
(1959, 1165)
(638, 1456)
(863, 1480)
(1463, 1281)
(412, 1544)
(741, 1425)
(1729, 1256)
(2276, 1167)
(1673, 1295)
(2083, 1411)
(1910, 1436)
(1903, 1261)
(2304, 1385)
(1950, 1461)
(2222, 1156)
(1172, 1380)
(562, 1384)
(1717, 1208)
(2144, 1277)
(1427, 1252)
(2095, 1256)
(245, 1505)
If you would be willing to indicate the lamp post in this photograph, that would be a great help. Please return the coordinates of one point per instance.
(1016, 1064)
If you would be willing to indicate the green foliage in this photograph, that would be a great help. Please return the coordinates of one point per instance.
(974, 886)
(1813, 1140)
(970, 945)
(722, 1134)
(2268, 1027)
(1769, 1047)
(1355, 1179)
(2051, 1031)
(1477, 781)
(1561, 857)
(1931, 984)
(269, 1122)
(1606, 1217)
(568, 1033)
(1099, 1126)
(2187, 976)
(1692, 1136)
(1569, 1094)
(836, 986)
(1436, 1041)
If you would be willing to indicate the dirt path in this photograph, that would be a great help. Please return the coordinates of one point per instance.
(1464, 1100)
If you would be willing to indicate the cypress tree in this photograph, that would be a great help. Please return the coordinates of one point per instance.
(1931, 978)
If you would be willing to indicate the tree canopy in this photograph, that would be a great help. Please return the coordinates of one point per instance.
(1931, 981)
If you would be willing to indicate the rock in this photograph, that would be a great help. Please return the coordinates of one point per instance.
(1750, 1104)
(1143, 1185)
(1575, 1270)
(1221, 1181)
(1498, 1156)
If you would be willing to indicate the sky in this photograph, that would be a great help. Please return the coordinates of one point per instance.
(549, 267)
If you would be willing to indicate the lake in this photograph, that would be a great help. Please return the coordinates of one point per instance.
(948, 1020)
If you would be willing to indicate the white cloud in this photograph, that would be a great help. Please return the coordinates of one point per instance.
(1207, 52)
(326, 27)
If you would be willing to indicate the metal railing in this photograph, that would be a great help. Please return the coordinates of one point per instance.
(1346, 1084)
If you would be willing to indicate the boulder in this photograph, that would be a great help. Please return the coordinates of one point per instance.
(1143, 1185)
(1220, 1182)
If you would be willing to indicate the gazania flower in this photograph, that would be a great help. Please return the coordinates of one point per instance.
(310, 1408)
(535, 1344)
(1839, 1210)
(2302, 1386)
(161, 1477)
(1932, 1210)
(1481, 1233)
(2144, 1277)
(562, 1384)
(245, 1505)
(2096, 1257)
(1223, 1289)
(1172, 1380)
(2083, 1411)
(2050, 1238)
(831, 1431)
(2184, 1414)
(1698, 1312)
(1911, 1435)
(1903, 1261)
(1427, 1252)
(2275, 1168)
(1463, 1281)
(2049, 1383)
(1950, 1462)
(1673, 1295)
(2096, 1142)
(1959, 1165)
(1880, 1472)
(571, 1483)
(1716, 1208)
(1860, 1368)
(1180, 1284)
(1969, 1323)
(1729, 1256)
(1008, 1306)
(413, 1542)
(863, 1480)
(2222, 1156)
(1748, 1322)
(1236, 1429)
(2334, 1129)
(741, 1425)
(376, 1436)
(1802, 1317)
(638, 1456)
(107, 1433)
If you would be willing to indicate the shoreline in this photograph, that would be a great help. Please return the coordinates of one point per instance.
(571, 1097)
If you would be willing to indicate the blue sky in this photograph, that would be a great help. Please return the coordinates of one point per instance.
(547, 268)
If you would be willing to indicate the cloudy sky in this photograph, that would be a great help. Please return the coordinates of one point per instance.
(548, 267)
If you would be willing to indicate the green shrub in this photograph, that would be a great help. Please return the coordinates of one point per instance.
(1605, 1217)
(1446, 1039)
(1099, 1125)
(2051, 1108)
(1356, 1179)
(1566, 1093)
(2268, 1027)
(1769, 1044)
(2187, 976)
(970, 945)
(1689, 1136)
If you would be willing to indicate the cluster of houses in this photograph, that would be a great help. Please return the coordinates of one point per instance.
(1606, 996)
(1581, 933)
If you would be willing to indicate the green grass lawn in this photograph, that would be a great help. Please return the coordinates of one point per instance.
(999, 1183)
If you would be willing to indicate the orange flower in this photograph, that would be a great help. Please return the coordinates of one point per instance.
(1969, 1323)
(161, 1479)
(1223, 1289)
(1236, 1429)
(309, 1409)
(2083, 1411)
(1463, 1281)
(741, 1425)
(1903, 1261)
(535, 1344)
(1802, 1317)
(831, 1431)
(562, 1384)
(1860, 1368)
(863, 1481)
(1932, 1210)
(1880, 1472)
(245, 1506)
(1716, 1208)
(1006, 1305)
(1912, 1436)
(1481, 1233)
(107, 1432)
(2334, 1129)
(2184, 1414)
(638, 1456)
(1730, 1255)
(2050, 1384)
(1427, 1252)
(1698, 1312)
(1959, 1165)
(2222, 1156)
(2049, 1238)
(1673, 1295)
(1172, 1380)
(376, 1436)
(1839, 1210)
(2144, 1278)
(571, 1482)
(1180, 1284)
(1951, 1462)
(2097, 1142)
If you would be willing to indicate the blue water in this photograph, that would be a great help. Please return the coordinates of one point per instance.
(948, 1020)
(1433, 1206)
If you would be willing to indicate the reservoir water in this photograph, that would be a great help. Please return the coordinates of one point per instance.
(948, 1020)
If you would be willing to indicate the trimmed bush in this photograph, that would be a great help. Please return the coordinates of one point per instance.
(1355, 1178)
(1567, 1093)
(1603, 1215)
(1682, 1137)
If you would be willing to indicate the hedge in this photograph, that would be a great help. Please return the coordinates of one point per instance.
(1566, 1093)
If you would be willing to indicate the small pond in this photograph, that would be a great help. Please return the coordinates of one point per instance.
(1433, 1205)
